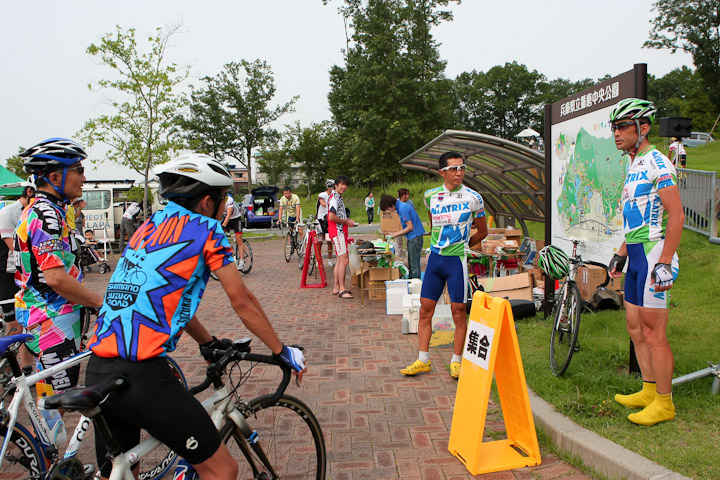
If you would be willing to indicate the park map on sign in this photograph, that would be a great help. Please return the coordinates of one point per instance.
(592, 174)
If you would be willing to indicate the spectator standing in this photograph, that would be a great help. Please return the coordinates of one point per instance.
(338, 223)
(289, 207)
(650, 248)
(127, 223)
(454, 209)
(678, 157)
(412, 229)
(322, 213)
(370, 207)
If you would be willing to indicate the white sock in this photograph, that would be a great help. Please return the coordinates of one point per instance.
(424, 357)
(456, 358)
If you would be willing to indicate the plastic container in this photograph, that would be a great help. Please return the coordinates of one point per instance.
(55, 423)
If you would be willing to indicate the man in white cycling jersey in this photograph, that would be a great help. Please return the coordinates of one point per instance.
(454, 209)
(652, 221)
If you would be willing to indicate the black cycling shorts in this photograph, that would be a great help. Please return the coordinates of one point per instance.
(157, 402)
(8, 289)
(234, 224)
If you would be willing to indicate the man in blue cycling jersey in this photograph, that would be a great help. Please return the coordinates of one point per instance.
(152, 298)
(653, 222)
(454, 209)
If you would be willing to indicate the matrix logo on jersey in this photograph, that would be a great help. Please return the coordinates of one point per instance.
(443, 215)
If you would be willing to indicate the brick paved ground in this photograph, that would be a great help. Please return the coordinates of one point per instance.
(377, 423)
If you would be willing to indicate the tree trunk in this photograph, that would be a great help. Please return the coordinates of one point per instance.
(249, 169)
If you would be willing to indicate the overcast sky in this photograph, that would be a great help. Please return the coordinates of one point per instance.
(44, 92)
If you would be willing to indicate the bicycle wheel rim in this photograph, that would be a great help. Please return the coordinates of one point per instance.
(301, 254)
(311, 265)
(23, 457)
(564, 334)
(290, 436)
(248, 257)
(288, 247)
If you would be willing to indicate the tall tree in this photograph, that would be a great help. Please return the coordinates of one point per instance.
(15, 165)
(231, 115)
(309, 148)
(692, 26)
(391, 95)
(141, 101)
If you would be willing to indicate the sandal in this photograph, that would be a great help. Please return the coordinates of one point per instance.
(345, 294)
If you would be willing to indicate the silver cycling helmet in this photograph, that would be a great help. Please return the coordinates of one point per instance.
(192, 174)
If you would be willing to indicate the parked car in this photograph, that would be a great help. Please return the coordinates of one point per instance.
(260, 206)
(697, 139)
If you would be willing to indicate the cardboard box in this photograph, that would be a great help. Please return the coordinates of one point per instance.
(389, 223)
(383, 273)
(513, 287)
(376, 290)
(589, 278)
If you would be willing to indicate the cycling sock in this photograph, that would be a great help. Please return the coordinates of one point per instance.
(640, 399)
(456, 358)
(424, 357)
(661, 409)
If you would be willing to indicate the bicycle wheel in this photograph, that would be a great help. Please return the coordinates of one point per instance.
(247, 257)
(289, 247)
(23, 457)
(566, 326)
(301, 253)
(289, 437)
(158, 462)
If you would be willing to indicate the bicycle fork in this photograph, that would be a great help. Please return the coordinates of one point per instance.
(250, 438)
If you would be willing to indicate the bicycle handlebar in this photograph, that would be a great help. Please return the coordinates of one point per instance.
(240, 350)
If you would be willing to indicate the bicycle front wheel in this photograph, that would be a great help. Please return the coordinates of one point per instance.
(566, 326)
(290, 442)
(301, 253)
(247, 257)
(23, 457)
(289, 247)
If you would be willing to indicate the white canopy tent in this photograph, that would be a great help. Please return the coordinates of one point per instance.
(528, 132)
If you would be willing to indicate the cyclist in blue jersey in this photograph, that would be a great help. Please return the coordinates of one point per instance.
(653, 222)
(454, 209)
(152, 298)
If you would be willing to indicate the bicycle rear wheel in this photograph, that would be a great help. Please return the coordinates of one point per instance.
(158, 462)
(566, 326)
(289, 437)
(289, 247)
(23, 457)
(247, 257)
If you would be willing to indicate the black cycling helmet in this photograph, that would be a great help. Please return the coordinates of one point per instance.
(52, 155)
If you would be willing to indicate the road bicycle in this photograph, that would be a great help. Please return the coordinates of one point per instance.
(24, 455)
(310, 224)
(567, 312)
(291, 241)
(247, 255)
(277, 434)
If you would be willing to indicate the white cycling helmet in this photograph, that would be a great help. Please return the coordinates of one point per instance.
(192, 174)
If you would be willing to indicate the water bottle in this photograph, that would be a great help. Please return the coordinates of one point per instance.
(55, 423)
(185, 471)
(405, 326)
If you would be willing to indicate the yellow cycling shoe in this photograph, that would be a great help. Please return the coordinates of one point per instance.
(455, 370)
(640, 399)
(660, 410)
(417, 367)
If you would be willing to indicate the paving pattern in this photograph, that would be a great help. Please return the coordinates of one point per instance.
(377, 423)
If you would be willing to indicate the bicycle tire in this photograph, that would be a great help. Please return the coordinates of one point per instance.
(288, 434)
(23, 458)
(565, 329)
(162, 459)
(289, 247)
(247, 257)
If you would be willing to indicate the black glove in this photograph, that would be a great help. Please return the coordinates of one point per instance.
(617, 263)
(662, 275)
(215, 344)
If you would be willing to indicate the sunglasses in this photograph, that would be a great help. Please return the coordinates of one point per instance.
(457, 168)
(621, 126)
(80, 169)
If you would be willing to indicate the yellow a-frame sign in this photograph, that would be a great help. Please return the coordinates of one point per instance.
(491, 347)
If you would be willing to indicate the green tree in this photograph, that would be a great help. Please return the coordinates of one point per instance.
(309, 147)
(391, 95)
(141, 100)
(692, 26)
(275, 160)
(231, 115)
(15, 165)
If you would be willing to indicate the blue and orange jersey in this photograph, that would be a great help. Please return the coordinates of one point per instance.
(158, 284)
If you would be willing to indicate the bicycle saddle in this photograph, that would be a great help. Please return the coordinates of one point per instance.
(88, 398)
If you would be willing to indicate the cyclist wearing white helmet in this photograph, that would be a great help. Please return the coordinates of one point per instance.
(653, 221)
(46, 257)
(322, 211)
(152, 298)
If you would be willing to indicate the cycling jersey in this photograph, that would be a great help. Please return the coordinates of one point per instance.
(452, 213)
(43, 241)
(336, 206)
(288, 206)
(644, 217)
(230, 202)
(158, 284)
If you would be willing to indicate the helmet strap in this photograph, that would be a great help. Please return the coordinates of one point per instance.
(633, 151)
(61, 191)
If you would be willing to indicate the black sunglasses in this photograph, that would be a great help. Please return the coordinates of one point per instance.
(80, 169)
(621, 125)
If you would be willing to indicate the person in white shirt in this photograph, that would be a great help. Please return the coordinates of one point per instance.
(127, 223)
(678, 156)
(322, 212)
(232, 220)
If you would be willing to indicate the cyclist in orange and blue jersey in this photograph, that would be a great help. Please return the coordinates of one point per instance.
(152, 298)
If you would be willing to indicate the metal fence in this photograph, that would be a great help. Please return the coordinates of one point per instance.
(698, 190)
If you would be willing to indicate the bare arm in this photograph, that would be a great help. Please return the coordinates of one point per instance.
(197, 331)
(228, 212)
(408, 228)
(480, 223)
(9, 242)
(345, 221)
(70, 289)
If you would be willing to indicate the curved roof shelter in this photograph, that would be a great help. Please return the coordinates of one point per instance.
(509, 176)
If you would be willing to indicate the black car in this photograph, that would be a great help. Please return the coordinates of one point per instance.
(260, 206)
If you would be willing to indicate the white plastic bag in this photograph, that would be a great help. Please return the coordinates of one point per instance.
(354, 260)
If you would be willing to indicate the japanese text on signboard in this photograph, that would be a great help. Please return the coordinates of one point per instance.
(587, 100)
(478, 344)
